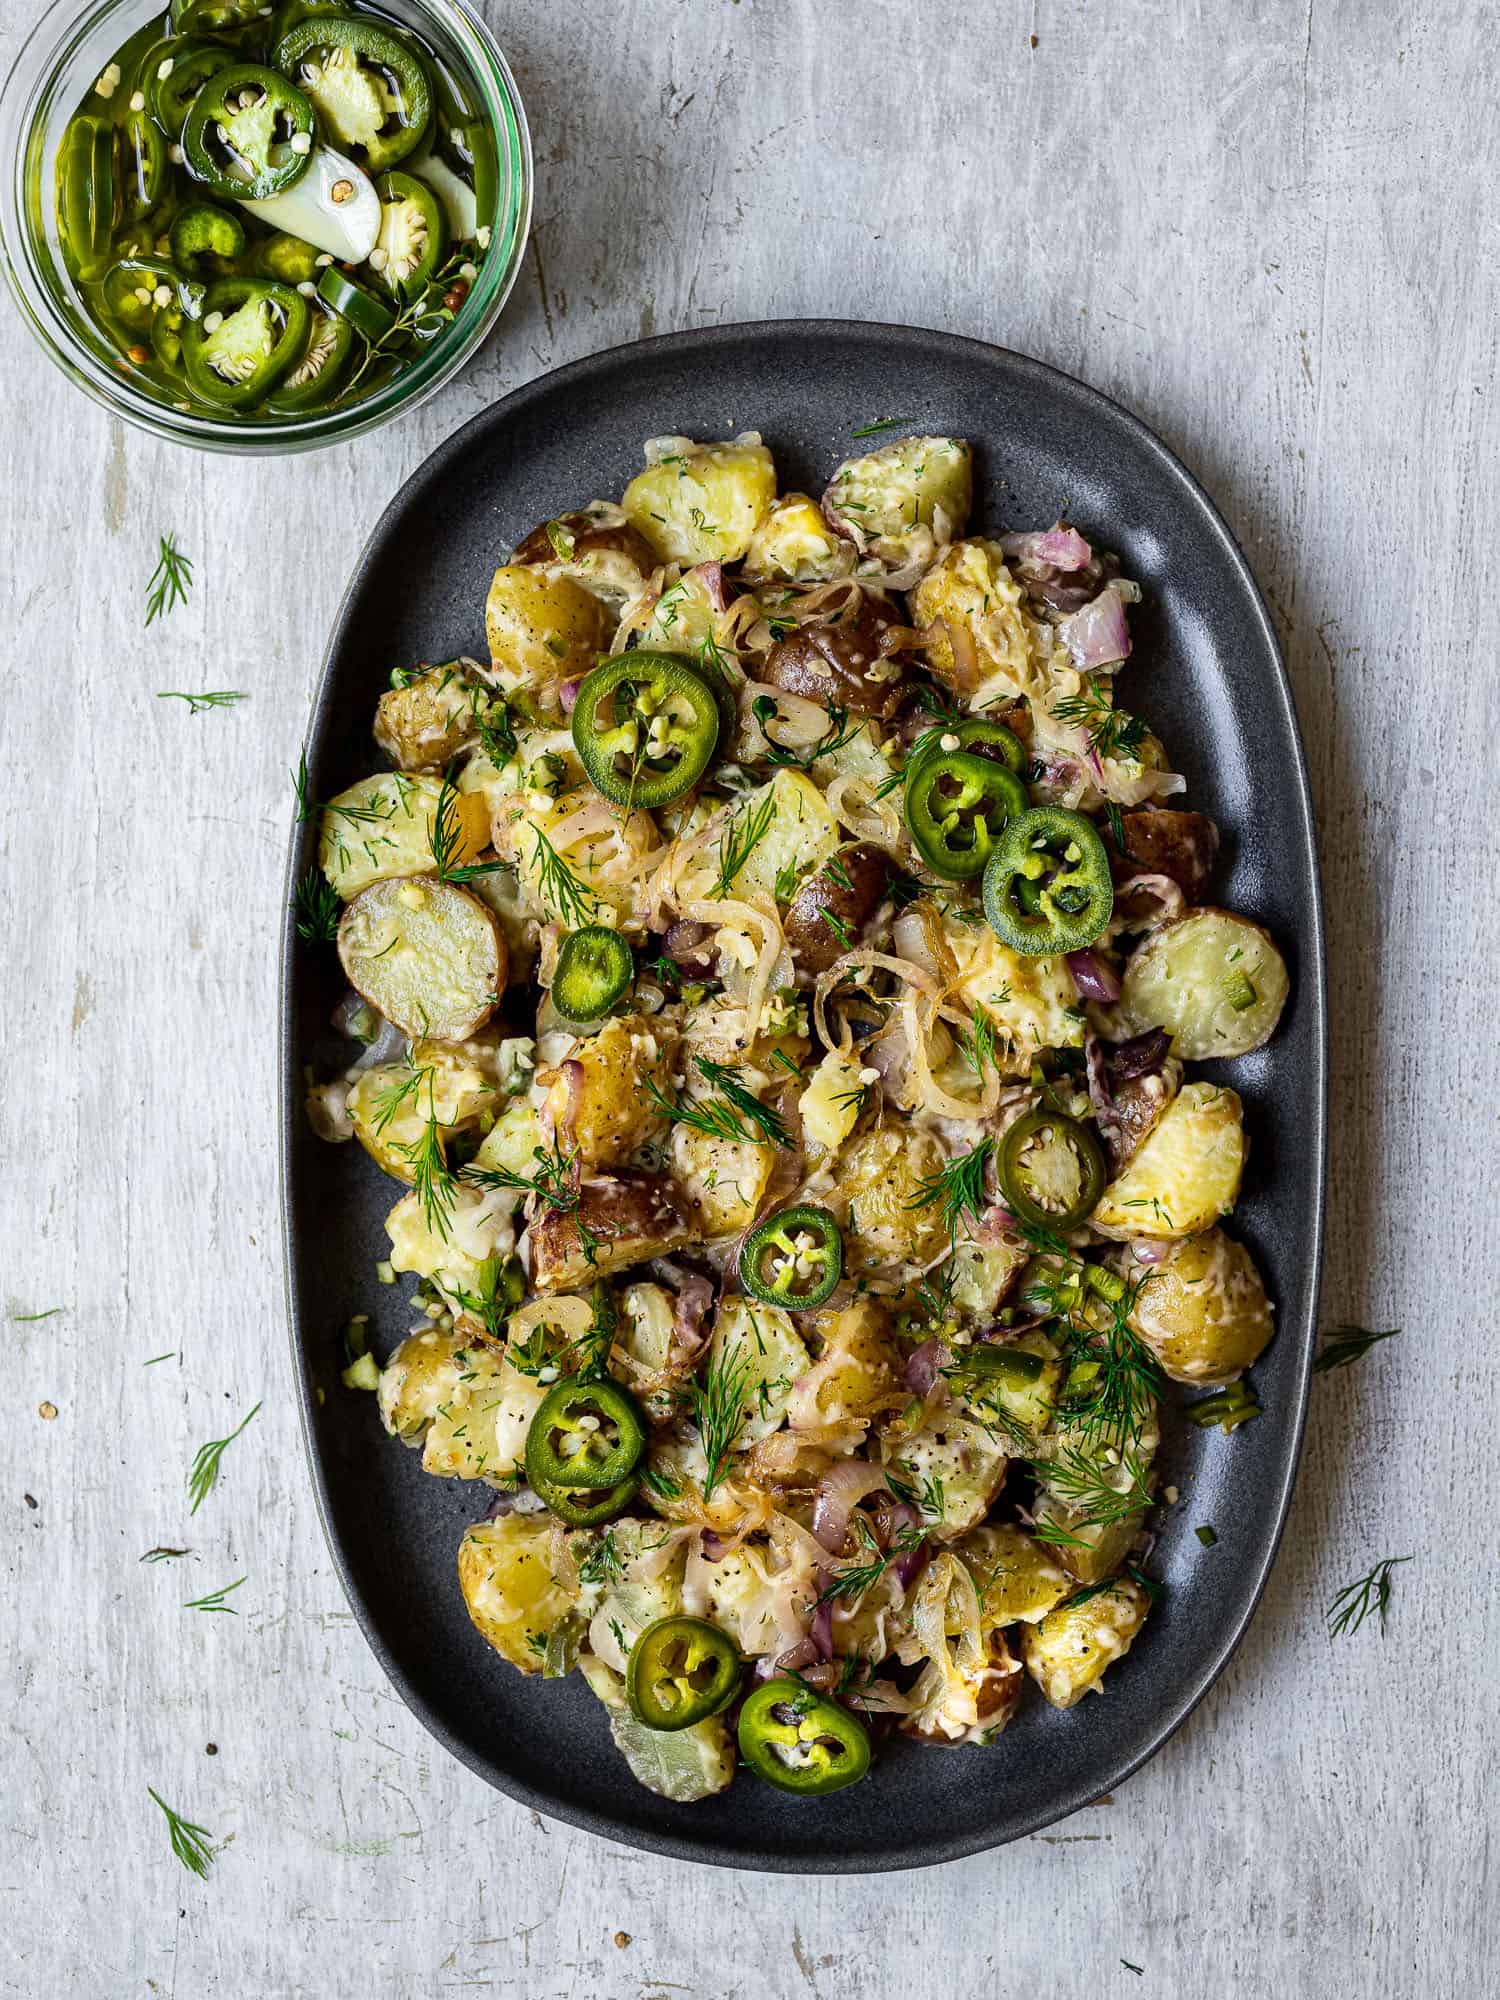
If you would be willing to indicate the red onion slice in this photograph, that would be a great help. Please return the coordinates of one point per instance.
(840, 1491)
(1142, 1055)
(1062, 547)
(1094, 979)
(923, 1366)
(1098, 636)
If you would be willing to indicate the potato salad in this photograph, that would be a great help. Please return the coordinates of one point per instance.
(776, 974)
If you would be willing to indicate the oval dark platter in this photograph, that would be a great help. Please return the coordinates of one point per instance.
(1208, 675)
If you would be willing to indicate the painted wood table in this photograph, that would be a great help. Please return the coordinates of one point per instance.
(1271, 232)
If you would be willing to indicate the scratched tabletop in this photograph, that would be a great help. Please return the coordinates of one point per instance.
(1270, 232)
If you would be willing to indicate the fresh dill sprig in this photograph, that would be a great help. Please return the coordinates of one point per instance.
(212, 698)
(206, 1465)
(602, 1564)
(1344, 1345)
(739, 840)
(171, 580)
(718, 1405)
(1085, 1486)
(446, 839)
(1116, 822)
(881, 424)
(957, 1188)
(863, 1571)
(308, 807)
(558, 886)
(978, 1043)
(28, 1319)
(161, 1555)
(170, 1355)
(1355, 1602)
(665, 1485)
(189, 1842)
(736, 1113)
(496, 730)
(317, 906)
(555, 1181)
(840, 729)
(214, 1601)
(1111, 732)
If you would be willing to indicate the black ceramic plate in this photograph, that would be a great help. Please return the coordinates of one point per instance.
(1207, 675)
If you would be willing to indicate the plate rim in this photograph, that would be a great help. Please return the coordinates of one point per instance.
(1312, 992)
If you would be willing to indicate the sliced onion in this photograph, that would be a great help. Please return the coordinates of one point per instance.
(694, 1297)
(923, 1366)
(1098, 636)
(1094, 979)
(840, 1491)
(820, 1631)
(711, 576)
(567, 694)
(1060, 547)
(1142, 1055)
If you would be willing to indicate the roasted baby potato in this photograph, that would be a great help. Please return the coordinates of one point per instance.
(602, 1108)
(991, 646)
(392, 1105)
(426, 954)
(683, 1765)
(838, 661)
(1139, 1102)
(1203, 1310)
(905, 501)
(463, 1401)
(857, 1375)
(596, 548)
(1179, 845)
(722, 1178)
(543, 630)
(423, 724)
(760, 1344)
(831, 1104)
(1014, 1573)
(879, 1198)
(449, 1245)
(1186, 1174)
(521, 1586)
(382, 828)
(956, 1464)
(794, 544)
(833, 905)
(1214, 981)
(1068, 1652)
(621, 1219)
(801, 835)
(701, 502)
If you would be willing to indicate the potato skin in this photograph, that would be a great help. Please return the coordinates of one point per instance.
(815, 944)
(1203, 1310)
(630, 1216)
(1180, 978)
(1181, 845)
(839, 662)
(609, 558)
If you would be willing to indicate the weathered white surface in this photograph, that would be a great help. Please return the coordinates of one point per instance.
(1271, 231)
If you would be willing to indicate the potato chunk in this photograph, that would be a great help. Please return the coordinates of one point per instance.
(879, 1200)
(830, 1105)
(542, 631)
(596, 548)
(1032, 1003)
(1187, 1172)
(1203, 1310)
(955, 1466)
(423, 725)
(1015, 1575)
(1004, 651)
(856, 1378)
(1068, 1652)
(605, 1113)
(762, 1346)
(621, 1219)
(1214, 980)
(905, 501)
(683, 1765)
(463, 1401)
(449, 1248)
(702, 502)
(391, 1105)
(520, 1585)
(723, 1178)
(800, 834)
(426, 954)
(382, 827)
(794, 544)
